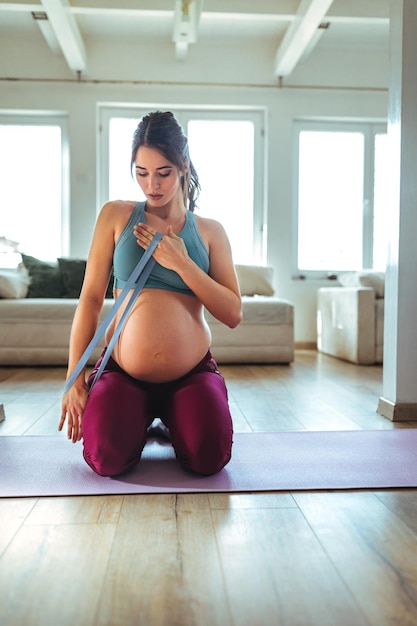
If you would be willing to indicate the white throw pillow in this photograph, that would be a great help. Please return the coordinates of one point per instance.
(364, 278)
(14, 283)
(255, 280)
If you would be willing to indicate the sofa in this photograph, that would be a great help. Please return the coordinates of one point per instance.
(350, 317)
(38, 301)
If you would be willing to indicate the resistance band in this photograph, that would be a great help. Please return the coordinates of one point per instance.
(136, 281)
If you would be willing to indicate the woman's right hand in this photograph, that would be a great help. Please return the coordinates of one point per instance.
(73, 404)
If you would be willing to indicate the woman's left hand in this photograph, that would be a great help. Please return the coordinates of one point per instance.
(169, 252)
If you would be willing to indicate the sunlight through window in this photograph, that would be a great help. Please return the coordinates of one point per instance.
(223, 155)
(330, 200)
(31, 159)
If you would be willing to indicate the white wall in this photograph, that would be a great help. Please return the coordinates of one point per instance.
(132, 73)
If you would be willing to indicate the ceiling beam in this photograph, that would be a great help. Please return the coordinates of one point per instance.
(67, 33)
(41, 18)
(299, 35)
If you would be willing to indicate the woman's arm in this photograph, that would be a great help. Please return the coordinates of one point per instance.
(219, 289)
(86, 317)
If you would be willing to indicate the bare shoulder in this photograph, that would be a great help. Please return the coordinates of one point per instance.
(117, 209)
(115, 214)
(209, 228)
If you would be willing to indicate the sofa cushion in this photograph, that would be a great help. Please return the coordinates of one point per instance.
(72, 271)
(255, 279)
(72, 274)
(14, 283)
(364, 278)
(45, 278)
(44, 310)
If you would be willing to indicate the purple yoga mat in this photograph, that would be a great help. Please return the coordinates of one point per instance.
(282, 461)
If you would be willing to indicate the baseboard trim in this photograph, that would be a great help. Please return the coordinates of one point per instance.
(305, 345)
(397, 411)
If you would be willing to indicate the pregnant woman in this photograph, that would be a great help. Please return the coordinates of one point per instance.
(161, 365)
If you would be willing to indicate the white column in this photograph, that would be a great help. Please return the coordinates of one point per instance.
(399, 392)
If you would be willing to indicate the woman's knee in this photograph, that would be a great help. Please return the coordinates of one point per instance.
(203, 444)
(206, 459)
(110, 463)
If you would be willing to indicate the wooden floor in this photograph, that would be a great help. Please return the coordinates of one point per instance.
(297, 559)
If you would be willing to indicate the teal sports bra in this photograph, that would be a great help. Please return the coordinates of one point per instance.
(127, 253)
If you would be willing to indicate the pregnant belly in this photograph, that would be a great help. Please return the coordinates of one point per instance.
(164, 337)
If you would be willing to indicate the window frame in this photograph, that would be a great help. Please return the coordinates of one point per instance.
(369, 129)
(184, 114)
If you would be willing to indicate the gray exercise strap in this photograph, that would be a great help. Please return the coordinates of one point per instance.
(136, 281)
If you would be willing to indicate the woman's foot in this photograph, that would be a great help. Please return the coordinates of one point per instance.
(158, 430)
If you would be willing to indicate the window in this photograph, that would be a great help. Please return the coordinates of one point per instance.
(33, 195)
(227, 150)
(341, 189)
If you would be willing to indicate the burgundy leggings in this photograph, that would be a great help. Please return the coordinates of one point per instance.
(194, 408)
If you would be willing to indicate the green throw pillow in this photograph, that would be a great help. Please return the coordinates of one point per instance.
(109, 292)
(72, 272)
(63, 279)
(45, 278)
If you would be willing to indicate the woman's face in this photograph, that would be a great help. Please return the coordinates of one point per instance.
(159, 179)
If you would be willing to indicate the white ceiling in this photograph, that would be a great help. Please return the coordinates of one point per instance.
(289, 25)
